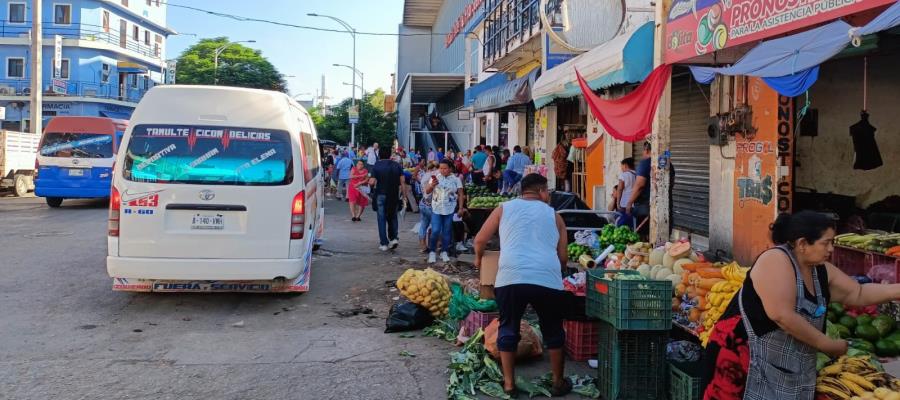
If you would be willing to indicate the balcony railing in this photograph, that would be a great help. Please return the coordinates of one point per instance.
(507, 25)
(94, 33)
(109, 91)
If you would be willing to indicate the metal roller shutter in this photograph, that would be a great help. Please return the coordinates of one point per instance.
(690, 155)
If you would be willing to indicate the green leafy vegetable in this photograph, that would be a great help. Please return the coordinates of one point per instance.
(493, 389)
(531, 387)
(405, 353)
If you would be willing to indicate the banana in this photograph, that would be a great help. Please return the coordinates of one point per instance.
(863, 383)
(832, 392)
(831, 370)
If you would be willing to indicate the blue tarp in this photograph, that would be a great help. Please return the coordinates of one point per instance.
(785, 56)
(790, 65)
(496, 80)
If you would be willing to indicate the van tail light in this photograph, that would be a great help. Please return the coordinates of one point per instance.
(115, 205)
(298, 216)
(37, 168)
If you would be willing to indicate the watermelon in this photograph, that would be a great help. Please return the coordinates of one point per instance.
(867, 332)
(848, 321)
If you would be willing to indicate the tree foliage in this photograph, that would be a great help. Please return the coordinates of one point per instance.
(374, 125)
(238, 66)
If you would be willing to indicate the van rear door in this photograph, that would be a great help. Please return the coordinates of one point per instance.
(207, 192)
(76, 160)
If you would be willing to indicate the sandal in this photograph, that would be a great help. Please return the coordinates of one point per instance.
(513, 394)
(562, 390)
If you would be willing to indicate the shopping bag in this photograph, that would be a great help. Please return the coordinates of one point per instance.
(529, 344)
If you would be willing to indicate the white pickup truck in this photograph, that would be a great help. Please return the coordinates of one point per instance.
(18, 151)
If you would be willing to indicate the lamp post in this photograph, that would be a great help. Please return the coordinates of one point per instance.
(218, 52)
(352, 33)
(362, 79)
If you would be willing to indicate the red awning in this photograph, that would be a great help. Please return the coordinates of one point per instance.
(630, 117)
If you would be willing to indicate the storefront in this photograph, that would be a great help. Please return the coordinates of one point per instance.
(781, 135)
(689, 148)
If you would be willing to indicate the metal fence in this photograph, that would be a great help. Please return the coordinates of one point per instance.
(507, 25)
(22, 87)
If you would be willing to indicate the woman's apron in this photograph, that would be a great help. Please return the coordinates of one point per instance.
(782, 367)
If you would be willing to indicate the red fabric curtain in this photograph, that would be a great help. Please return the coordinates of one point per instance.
(629, 118)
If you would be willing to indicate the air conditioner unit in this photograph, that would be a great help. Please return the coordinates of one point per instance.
(26, 91)
(7, 91)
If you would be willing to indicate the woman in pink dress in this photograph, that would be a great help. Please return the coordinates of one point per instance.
(357, 191)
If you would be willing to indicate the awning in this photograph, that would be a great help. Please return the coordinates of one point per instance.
(131, 67)
(496, 80)
(429, 87)
(115, 115)
(627, 58)
(514, 92)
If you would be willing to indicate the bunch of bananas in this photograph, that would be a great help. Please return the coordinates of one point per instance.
(735, 273)
(720, 296)
(856, 378)
(426, 288)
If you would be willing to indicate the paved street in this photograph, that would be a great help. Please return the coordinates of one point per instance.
(66, 335)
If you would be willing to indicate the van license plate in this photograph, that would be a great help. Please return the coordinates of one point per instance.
(208, 222)
(76, 172)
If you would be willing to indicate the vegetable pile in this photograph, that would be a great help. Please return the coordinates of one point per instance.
(889, 244)
(856, 377)
(618, 237)
(576, 250)
(865, 328)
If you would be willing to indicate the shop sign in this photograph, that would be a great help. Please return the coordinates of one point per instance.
(461, 22)
(554, 53)
(59, 86)
(785, 154)
(697, 27)
(56, 106)
(353, 114)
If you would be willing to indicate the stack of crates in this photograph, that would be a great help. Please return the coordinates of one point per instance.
(636, 318)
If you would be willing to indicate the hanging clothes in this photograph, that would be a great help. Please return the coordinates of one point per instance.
(867, 155)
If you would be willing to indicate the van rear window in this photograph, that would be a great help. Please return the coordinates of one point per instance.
(210, 155)
(77, 145)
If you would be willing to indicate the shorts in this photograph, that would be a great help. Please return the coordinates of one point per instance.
(549, 305)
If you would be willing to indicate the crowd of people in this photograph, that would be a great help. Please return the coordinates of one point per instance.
(430, 183)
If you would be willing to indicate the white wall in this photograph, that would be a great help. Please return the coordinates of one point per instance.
(413, 52)
(516, 129)
(826, 162)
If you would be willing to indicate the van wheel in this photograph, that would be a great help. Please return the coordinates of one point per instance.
(21, 185)
(54, 202)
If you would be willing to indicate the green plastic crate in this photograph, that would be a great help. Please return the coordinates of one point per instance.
(629, 305)
(684, 381)
(632, 364)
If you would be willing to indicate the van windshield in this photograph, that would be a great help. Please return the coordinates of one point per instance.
(77, 145)
(210, 155)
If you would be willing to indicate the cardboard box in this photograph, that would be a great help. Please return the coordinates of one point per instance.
(489, 264)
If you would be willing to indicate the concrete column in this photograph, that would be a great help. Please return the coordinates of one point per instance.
(517, 129)
(546, 141)
(721, 175)
(659, 178)
(492, 135)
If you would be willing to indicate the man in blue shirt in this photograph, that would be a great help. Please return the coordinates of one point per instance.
(639, 203)
(343, 171)
(478, 159)
(440, 154)
(515, 168)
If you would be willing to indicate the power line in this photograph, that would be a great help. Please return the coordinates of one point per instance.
(289, 25)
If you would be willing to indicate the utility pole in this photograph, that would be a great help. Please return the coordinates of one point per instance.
(37, 48)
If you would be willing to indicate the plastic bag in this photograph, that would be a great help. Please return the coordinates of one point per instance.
(407, 316)
(529, 344)
(461, 303)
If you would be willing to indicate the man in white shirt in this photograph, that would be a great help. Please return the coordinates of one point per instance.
(372, 154)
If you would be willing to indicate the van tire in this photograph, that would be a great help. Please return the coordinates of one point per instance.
(21, 185)
(54, 202)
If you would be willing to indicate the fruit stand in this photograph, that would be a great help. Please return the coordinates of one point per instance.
(858, 254)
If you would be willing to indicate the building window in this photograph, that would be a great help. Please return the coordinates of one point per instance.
(17, 13)
(157, 3)
(15, 67)
(62, 14)
(125, 3)
(134, 80)
(64, 70)
(157, 45)
(146, 83)
(104, 73)
(149, 2)
(136, 33)
(105, 21)
(147, 37)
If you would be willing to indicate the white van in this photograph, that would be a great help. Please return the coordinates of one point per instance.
(215, 189)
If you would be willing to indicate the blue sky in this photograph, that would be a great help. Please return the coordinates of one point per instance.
(304, 53)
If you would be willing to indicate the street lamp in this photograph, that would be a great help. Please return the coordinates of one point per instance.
(362, 80)
(218, 52)
(352, 33)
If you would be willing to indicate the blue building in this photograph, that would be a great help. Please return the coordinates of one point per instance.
(113, 51)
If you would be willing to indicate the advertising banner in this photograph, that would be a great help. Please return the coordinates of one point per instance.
(697, 27)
